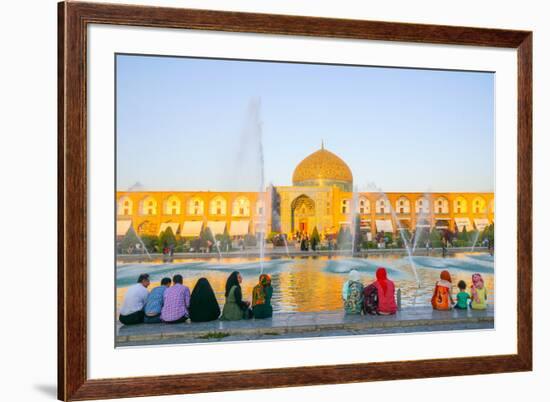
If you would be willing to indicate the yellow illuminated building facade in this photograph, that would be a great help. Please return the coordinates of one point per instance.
(321, 196)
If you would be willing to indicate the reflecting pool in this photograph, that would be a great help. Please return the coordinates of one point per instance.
(309, 284)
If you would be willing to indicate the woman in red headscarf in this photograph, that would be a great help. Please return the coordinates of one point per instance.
(442, 298)
(386, 293)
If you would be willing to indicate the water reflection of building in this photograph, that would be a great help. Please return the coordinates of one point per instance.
(321, 196)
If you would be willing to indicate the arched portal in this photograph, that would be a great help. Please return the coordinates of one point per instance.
(302, 214)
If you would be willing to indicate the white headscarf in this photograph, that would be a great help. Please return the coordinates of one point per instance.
(353, 276)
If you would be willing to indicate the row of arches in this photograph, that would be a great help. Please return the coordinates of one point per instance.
(195, 206)
(422, 205)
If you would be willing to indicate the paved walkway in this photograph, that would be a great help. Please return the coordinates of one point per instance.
(298, 325)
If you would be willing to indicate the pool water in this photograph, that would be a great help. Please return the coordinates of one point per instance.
(311, 284)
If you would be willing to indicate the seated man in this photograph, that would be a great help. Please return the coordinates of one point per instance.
(131, 311)
(155, 301)
(176, 302)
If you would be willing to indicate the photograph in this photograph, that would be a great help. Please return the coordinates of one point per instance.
(261, 200)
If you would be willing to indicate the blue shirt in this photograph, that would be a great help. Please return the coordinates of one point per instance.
(155, 301)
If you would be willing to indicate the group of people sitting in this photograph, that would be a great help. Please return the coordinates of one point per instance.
(171, 302)
(378, 298)
(476, 298)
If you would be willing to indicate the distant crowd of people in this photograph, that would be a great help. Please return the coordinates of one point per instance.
(172, 302)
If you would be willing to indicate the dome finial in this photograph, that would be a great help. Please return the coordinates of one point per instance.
(322, 144)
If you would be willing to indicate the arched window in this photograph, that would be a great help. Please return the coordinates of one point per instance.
(148, 206)
(479, 205)
(241, 207)
(382, 206)
(403, 205)
(441, 205)
(422, 206)
(125, 206)
(172, 206)
(364, 205)
(345, 206)
(218, 206)
(460, 205)
(195, 206)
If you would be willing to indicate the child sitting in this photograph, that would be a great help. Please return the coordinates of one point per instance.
(462, 296)
(479, 293)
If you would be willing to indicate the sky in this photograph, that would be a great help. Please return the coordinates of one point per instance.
(207, 124)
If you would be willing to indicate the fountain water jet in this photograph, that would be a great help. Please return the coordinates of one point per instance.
(406, 241)
(251, 150)
(142, 244)
(420, 217)
(354, 210)
(401, 231)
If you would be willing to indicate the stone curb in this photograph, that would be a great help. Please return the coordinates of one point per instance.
(182, 335)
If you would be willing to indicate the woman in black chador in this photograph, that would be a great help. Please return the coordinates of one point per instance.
(203, 306)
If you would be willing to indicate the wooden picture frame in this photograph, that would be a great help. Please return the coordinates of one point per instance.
(73, 382)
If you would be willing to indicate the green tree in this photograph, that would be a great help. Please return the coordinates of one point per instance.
(151, 243)
(315, 238)
(206, 236)
(167, 238)
(129, 241)
(464, 236)
(435, 238)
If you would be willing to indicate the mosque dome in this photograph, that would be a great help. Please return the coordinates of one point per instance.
(323, 168)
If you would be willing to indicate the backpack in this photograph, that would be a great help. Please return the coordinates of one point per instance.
(440, 298)
(353, 304)
(370, 300)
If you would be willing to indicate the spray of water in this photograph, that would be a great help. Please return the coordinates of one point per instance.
(406, 242)
(401, 230)
(277, 222)
(142, 244)
(421, 216)
(250, 160)
(354, 210)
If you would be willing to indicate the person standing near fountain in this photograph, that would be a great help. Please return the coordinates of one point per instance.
(386, 293)
(131, 311)
(235, 308)
(352, 294)
(442, 298)
(261, 298)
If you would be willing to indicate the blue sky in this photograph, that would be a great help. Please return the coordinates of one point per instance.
(188, 124)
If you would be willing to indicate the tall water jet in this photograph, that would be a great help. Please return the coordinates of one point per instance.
(141, 242)
(250, 159)
(478, 232)
(276, 222)
(353, 216)
(406, 242)
(421, 216)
